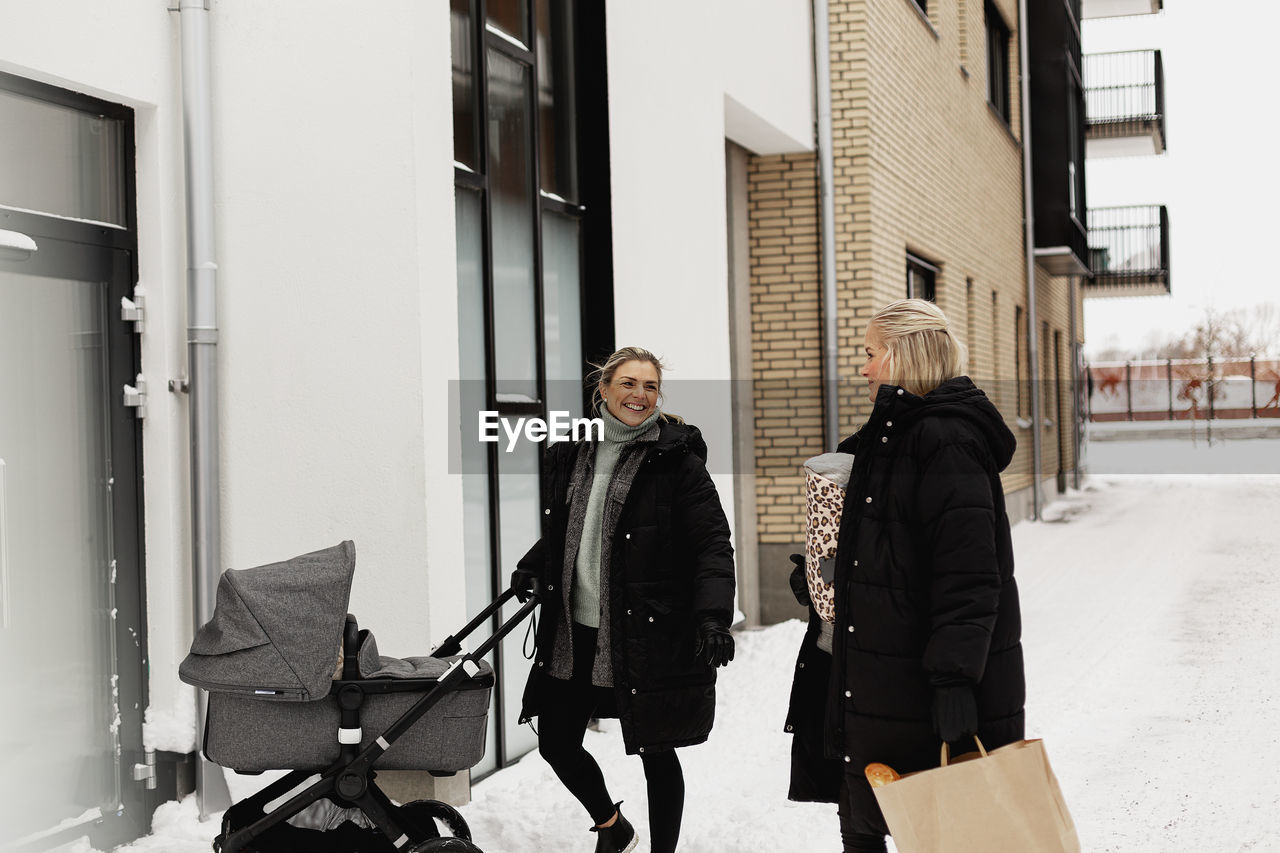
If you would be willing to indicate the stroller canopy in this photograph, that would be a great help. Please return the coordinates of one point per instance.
(276, 630)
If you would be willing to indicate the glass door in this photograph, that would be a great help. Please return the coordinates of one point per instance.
(72, 627)
(62, 749)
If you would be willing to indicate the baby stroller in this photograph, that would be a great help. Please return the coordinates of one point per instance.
(294, 684)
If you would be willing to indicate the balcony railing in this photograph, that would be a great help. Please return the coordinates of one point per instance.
(1124, 103)
(1129, 250)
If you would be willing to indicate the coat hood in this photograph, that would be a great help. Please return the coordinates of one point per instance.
(955, 398)
(673, 436)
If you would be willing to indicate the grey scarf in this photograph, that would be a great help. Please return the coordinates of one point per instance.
(580, 481)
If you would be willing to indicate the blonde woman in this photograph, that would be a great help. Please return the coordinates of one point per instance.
(927, 634)
(637, 581)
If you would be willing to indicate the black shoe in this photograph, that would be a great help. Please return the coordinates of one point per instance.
(620, 837)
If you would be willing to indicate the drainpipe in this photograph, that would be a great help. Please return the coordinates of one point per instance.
(826, 187)
(202, 352)
(1029, 236)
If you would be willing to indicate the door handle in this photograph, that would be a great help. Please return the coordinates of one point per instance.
(16, 246)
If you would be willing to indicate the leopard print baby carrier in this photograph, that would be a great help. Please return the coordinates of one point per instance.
(825, 479)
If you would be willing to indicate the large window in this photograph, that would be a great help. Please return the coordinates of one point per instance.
(531, 178)
(997, 62)
(970, 322)
(1048, 384)
(1075, 145)
(922, 278)
(996, 364)
(1020, 363)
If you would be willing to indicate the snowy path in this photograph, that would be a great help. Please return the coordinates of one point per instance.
(1153, 654)
(1152, 644)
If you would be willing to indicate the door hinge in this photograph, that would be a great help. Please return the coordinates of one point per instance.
(134, 310)
(135, 396)
(146, 772)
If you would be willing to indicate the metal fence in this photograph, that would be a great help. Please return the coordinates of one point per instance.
(1181, 389)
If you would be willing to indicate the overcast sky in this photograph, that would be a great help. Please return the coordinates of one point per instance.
(1218, 174)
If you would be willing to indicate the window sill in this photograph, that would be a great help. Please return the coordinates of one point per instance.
(924, 18)
(1004, 123)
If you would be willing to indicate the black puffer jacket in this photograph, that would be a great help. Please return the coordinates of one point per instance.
(814, 777)
(671, 565)
(924, 580)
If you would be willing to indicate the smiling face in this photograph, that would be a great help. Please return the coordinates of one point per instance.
(632, 394)
(875, 368)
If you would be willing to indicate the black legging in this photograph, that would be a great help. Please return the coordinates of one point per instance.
(566, 709)
(861, 825)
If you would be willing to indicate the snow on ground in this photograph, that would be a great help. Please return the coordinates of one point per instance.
(735, 784)
(1227, 455)
(1242, 446)
(1150, 629)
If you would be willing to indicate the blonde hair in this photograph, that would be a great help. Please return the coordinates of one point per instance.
(921, 353)
(603, 375)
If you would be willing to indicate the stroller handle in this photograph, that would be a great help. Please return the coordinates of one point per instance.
(462, 668)
(452, 645)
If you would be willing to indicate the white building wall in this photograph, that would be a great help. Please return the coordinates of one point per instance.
(336, 255)
(335, 244)
(334, 219)
(766, 49)
(679, 73)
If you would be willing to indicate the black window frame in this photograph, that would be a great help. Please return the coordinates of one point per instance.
(590, 210)
(924, 270)
(1021, 356)
(1075, 107)
(999, 35)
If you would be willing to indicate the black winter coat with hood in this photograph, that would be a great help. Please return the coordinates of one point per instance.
(671, 566)
(925, 594)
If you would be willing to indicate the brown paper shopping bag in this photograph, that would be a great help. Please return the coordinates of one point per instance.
(1003, 801)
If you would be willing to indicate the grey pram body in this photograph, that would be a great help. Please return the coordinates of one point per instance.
(294, 684)
(248, 734)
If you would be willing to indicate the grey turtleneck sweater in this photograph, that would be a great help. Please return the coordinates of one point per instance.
(586, 579)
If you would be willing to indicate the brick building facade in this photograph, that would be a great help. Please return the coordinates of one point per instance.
(928, 174)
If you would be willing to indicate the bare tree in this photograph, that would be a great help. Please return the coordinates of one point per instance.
(1237, 333)
(1217, 335)
(1260, 329)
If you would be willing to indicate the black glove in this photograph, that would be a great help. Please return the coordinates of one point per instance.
(526, 583)
(799, 582)
(714, 643)
(955, 713)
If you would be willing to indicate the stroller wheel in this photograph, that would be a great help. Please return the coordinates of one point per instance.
(445, 845)
(425, 811)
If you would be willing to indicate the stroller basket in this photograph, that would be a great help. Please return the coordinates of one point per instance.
(295, 684)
